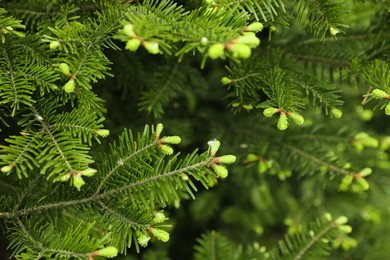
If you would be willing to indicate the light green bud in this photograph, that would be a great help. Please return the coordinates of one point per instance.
(365, 172)
(102, 132)
(65, 177)
(159, 217)
(214, 144)
(166, 149)
(341, 220)
(226, 81)
(336, 113)
(328, 216)
(221, 171)
(249, 39)
(159, 129)
(88, 172)
(334, 31)
(143, 239)
(297, 118)
(160, 234)
(64, 68)
(133, 44)
(282, 122)
(363, 183)
(128, 30)
(240, 50)
(171, 139)
(345, 228)
(54, 45)
(69, 86)
(109, 252)
(152, 47)
(252, 157)
(204, 41)
(7, 168)
(228, 159)
(255, 27)
(270, 111)
(216, 51)
(379, 94)
(78, 181)
(387, 109)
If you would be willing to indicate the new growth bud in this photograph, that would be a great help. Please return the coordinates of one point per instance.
(143, 239)
(170, 140)
(54, 45)
(102, 132)
(216, 51)
(160, 234)
(255, 27)
(159, 129)
(297, 118)
(282, 122)
(387, 109)
(240, 50)
(109, 252)
(166, 149)
(70, 86)
(270, 111)
(379, 94)
(159, 217)
(128, 30)
(227, 159)
(64, 68)
(214, 144)
(133, 44)
(334, 31)
(226, 81)
(221, 171)
(249, 39)
(78, 181)
(7, 168)
(336, 113)
(152, 47)
(88, 172)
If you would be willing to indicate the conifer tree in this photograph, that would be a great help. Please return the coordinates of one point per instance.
(202, 129)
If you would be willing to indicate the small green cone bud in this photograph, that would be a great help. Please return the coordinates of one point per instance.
(211, 181)
(160, 234)
(270, 111)
(133, 44)
(152, 47)
(128, 30)
(184, 177)
(54, 45)
(78, 181)
(64, 68)
(247, 107)
(365, 172)
(226, 81)
(379, 94)
(297, 118)
(221, 171)
(252, 157)
(249, 39)
(88, 172)
(262, 167)
(7, 168)
(334, 31)
(109, 252)
(341, 220)
(345, 182)
(166, 149)
(336, 113)
(216, 51)
(282, 122)
(228, 159)
(204, 41)
(170, 140)
(159, 129)
(65, 177)
(255, 27)
(159, 218)
(69, 86)
(363, 183)
(345, 228)
(387, 109)
(328, 216)
(102, 132)
(214, 144)
(273, 28)
(240, 50)
(143, 239)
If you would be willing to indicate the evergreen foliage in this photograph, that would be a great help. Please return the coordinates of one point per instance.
(296, 91)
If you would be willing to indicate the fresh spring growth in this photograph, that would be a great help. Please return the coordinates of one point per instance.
(216, 51)
(282, 122)
(133, 44)
(70, 86)
(333, 31)
(159, 129)
(159, 217)
(128, 30)
(345, 228)
(54, 45)
(170, 140)
(166, 149)
(345, 183)
(387, 109)
(365, 172)
(226, 81)
(328, 216)
(270, 111)
(379, 94)
(227, 159)
(214, 145)
(102, 132)
(336, 113)
(341, 220)
(109, 252)
(240, 50)
(255, 27)
(297, 118)
(65, 177)
(249, 39)
(88, 172)
(78, 181)
(7, 168)
(204, 41)
(160, 234)
(152, 47)
(363, 183)
(143, 239)
(64, 68)
(221, 171)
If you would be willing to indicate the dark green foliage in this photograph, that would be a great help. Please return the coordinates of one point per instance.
(297, 90)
